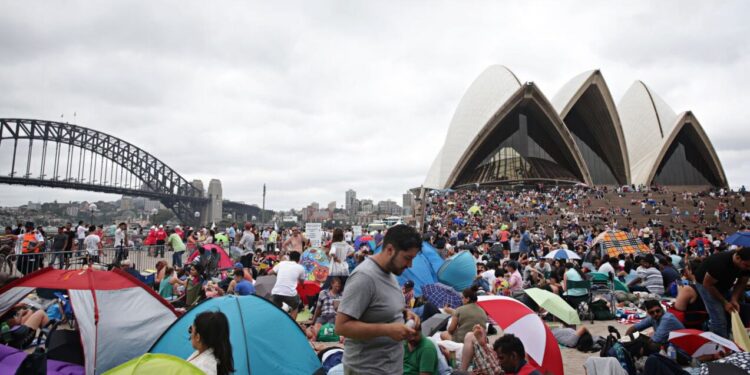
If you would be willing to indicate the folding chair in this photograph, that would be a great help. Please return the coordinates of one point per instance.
(575, 301)
(603, 284)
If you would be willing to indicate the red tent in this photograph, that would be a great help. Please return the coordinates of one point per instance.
(225, 261)
(119, 317)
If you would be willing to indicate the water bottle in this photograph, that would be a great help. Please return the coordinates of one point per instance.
(671, 352)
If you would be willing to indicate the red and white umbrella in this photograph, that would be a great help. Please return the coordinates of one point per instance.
(698, 343)
(538, 341)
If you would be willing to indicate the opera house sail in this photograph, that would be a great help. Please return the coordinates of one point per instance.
(505, 132)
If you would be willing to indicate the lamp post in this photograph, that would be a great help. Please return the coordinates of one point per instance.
(92, 209)
(154, 211)
(197, 218)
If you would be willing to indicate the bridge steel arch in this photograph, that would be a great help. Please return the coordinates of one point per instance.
(159, 180)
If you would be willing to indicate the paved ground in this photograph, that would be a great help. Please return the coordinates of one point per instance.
(573, 359)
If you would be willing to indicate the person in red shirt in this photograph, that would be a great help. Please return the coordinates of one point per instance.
(161, 239)
(179, 232)
(150, 237)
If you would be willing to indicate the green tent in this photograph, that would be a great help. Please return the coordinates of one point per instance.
(150, 363)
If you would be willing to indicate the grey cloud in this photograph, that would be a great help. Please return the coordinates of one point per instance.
(314, 98)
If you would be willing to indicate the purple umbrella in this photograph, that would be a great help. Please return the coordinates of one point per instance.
(441, 295)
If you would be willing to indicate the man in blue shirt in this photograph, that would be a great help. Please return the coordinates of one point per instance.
(525, 245)
(242, 287)
(662, 322)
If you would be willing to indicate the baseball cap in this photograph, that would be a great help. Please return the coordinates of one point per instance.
(239, 265)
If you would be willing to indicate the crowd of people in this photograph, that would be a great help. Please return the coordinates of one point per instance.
(376, 322)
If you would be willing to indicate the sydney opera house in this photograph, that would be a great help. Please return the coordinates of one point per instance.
(506, 132)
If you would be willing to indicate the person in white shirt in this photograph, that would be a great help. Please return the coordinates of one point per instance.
(340, 250)
(209, 336)
(288, 274)
(93, 245)
(121, 242)
(80, 235)
(609, 265)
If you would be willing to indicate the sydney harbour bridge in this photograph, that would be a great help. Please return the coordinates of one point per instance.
(60, 155)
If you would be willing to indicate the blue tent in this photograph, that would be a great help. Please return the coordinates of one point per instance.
(458, 271)
(423, 268)
(262, 337)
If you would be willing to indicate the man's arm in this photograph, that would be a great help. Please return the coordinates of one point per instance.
(709, 282)
(739, 288)
(352, 328)
(640, 326)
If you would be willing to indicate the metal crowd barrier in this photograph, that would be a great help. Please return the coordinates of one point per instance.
(143, 258)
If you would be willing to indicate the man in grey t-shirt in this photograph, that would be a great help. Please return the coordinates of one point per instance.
(371, 313)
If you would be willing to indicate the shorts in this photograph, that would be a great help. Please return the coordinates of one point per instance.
(326, 319)
(292, 301)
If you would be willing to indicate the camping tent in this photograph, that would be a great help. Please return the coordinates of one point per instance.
(262, 337)
(225, 261)
(118, 316)
(458, 271)
(162, 364)
(423, 268)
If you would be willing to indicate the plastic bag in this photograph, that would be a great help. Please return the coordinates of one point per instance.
(327, 333)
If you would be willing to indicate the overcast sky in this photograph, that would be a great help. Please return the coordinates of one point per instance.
(314, 97)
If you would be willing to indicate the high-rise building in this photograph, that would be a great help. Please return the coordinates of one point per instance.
(151, 205)
(389, 207)
(126, 203)
(332, 206)
(351, 202)
(366, 205)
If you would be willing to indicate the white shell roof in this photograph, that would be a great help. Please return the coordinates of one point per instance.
(647, 122)
(480, 102)
(567, 92)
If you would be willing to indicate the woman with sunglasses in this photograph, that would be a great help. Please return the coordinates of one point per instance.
(209, 336)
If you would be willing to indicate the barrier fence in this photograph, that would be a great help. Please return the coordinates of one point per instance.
(143, 258)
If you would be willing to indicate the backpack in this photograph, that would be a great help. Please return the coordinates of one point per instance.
(614, 348)
(600, 310)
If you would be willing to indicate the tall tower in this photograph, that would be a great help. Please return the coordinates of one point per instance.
(215, 205)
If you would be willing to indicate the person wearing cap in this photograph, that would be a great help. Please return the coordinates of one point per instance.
(30, 259)
(239, 285)
(649, 277)
(161, 239)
